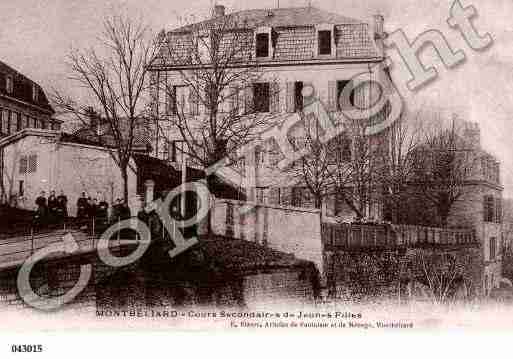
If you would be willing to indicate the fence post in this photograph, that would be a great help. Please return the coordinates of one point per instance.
(31, 240)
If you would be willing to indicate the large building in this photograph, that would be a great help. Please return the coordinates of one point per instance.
(23, 104)
(293, 48)
(480, 206)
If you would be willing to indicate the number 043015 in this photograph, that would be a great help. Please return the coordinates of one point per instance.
(26, 348)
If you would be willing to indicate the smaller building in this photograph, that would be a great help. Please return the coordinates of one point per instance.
(23, 104)
(36, 160)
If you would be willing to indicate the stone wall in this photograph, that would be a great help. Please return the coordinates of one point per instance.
(286, 229)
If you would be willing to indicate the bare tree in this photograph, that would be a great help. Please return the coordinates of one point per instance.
(115, 79)
(317, 170)
(398, 160)
(358, 180)
(441, 277)
(221, 109)
(443, 165)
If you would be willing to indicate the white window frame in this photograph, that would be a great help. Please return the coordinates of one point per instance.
(264, 30)
(35, 93)
(9, 84)
(331, 29)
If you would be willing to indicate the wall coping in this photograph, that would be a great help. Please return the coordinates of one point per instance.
(266, 205)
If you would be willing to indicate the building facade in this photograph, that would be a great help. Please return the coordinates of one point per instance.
(294, 49)
(23, 104)
(36, 160)
(480, 206)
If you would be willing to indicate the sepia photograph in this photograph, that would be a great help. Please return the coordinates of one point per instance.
(292, 166)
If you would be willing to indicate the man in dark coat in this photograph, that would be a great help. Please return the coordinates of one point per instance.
(52, 207)
(41, 211)
(124, 211)
(116, 211)
(102, 212)
(62, 206)
(82, 207)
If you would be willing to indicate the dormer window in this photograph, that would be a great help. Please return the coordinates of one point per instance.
(9, 84)
(324, 42)
(35, 93)
(262, 45)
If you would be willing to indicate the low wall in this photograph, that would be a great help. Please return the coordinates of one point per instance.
(286, 229)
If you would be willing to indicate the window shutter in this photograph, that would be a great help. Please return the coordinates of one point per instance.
(170, 100)
(485, 207)
(193, 102)
(248, 99)
(332, 96)
(32, 163)
(23, 165)
(275, 97)
(232, 100)
(498, 210)
(290, 97)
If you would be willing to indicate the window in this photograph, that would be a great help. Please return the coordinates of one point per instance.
(262, 45)
(12, 121)
(19, 125)
(204, 49)
(487, 208)
(21, 191)
(298, 96)
(35, 93)
(44, 125)
(493, 248)
(261, 194)
(341, 85)
(261, 96)
(32, 163)
(9, 84)
(177, 151)
(5, 122)
(325, 42)
(194, 102)
(498, 210)
(296, 196)
(23, 165)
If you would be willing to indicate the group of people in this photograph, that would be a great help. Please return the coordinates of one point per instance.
(54, 209)
(99, 210)
(51, 210)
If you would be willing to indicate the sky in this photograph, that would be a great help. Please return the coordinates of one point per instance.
(36, 35)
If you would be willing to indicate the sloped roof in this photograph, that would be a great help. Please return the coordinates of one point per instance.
(167, 177)
(281, 17)
(22, 88)
(88, 135)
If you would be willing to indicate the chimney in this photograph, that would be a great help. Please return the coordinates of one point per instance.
(218, 11)
(472, 135)
(378, 26)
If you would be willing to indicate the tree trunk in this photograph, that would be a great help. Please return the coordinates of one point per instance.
(124, 175)
(210, 186)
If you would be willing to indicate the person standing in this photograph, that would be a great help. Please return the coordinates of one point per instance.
(62, 206)
(102, 212)
(93, 208)
(52, 207)
(116, 211)
(82, 207)
(41, 211)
